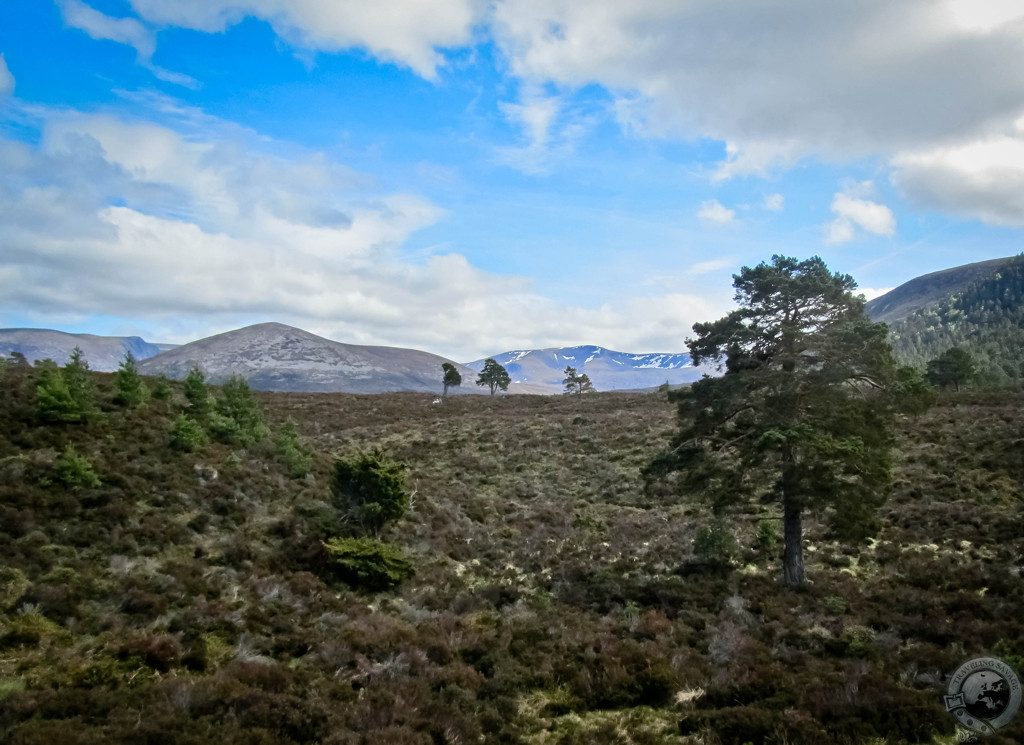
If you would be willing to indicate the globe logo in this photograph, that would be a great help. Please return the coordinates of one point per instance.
(983, 694)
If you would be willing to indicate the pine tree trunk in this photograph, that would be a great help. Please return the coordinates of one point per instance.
(793, 536)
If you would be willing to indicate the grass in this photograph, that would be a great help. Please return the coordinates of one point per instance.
(184, 599)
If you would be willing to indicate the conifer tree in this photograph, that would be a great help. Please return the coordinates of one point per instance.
(131, 390)
(494, 376)
(450, 377)
(803, 413)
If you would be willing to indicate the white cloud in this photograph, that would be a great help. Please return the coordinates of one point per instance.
(408, 33)
(779, 81)
(711, 265)
(128, 31)
(99, 26)
(6, 78)
(983, 179)
(870, 293)
(774, 202)
(852, 212)
(715, 212)
(192, 233)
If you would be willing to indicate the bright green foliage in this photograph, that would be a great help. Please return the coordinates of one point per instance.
(804, 412)
(197, 393)
(767, 536)
(131, 390)
(367, 563)
(80, 383)
(187, 434)
(371, 489)
(238, 414)
(451, 377)
(577, 384)
(985, 319)
(65, 395)
(952, 368)
(293, 453)
(28, 629)
(54, 402)
(74, 471)
(494, 376)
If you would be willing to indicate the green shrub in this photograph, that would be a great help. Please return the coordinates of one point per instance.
(187, 434)
(131, 390)
(197, 393)
(767, 537)
(293, 454)
(715, 543)
(371, 489)
(54, 402)
(367, 563)
(162, 389)
(74, 471)
(240, 417)
(28, 629)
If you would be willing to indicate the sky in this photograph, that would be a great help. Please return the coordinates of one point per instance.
(471, 177)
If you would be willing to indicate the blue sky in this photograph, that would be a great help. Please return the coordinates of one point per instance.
(470, 177)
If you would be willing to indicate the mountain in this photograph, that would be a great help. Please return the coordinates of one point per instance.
(984, 316)
(931, 289)
(276, 357)
(103, 353)
(609, 370)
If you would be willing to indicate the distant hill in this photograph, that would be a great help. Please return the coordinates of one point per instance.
(609, 370)
(276, 357)
(103, 353)
(930, 289)
(984, 316)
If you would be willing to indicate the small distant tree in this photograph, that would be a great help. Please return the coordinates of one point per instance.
(196, 392)
(293, 453)
(451, 377)
(954, 367)
(238, 416)
(370, 489)
(494, 376)
(576, 383)
(18, 359)
(131, 390)
(79, 381)
(187, 434)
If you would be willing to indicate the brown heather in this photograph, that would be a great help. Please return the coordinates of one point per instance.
(184, 599)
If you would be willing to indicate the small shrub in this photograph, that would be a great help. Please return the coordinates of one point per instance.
(367, 563)
(767, 537)
(162, 389)
(28, 629)
(371, 489)
(74, 471)
(131, 391)
(241, 419)
(187, 434)
(54, 402)
(197, 393)
(715, 544)
(293, 454)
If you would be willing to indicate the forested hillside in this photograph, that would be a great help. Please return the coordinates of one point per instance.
(986, 319)
(166, 584)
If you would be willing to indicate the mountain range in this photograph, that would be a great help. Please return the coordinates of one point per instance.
(103, 353)
(607, 369)
(977, 306)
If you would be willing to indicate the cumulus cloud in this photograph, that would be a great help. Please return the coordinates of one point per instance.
(983, 179)
(715, 212)
(6, 78)
(196, 229)
(774, 202)
(779, 81)
(852, 212)
(711, 265)
(870, 293)
(408, 33)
